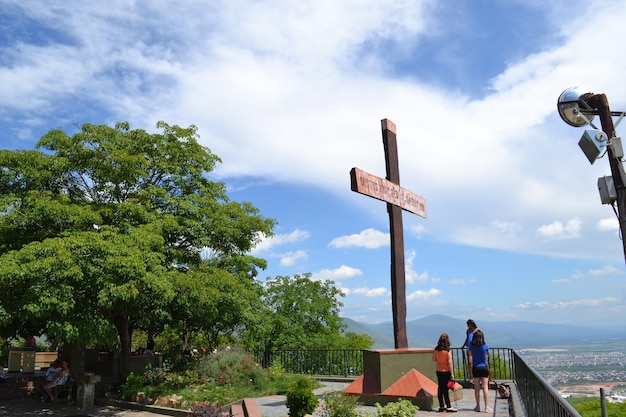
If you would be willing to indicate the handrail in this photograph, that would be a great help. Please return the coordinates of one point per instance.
(537, 395)
(500, 364)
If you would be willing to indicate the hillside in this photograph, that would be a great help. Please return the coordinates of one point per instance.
(425, 332)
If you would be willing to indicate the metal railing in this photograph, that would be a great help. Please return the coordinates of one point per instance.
(536, 395)
(501, 364)
(322, 362)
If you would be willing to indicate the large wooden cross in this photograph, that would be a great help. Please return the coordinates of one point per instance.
(397, 199)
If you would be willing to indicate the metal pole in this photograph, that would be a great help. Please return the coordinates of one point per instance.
(601, 103)
(603, 403)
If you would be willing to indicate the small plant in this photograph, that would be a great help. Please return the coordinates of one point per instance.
(401, 408)
(339, 404)
(133, 384)
(276, 370)
(300, 397)
(156, 376)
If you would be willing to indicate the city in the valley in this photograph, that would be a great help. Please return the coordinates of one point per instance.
(581, 371)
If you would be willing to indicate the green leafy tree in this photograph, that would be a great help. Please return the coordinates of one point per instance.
(300, 313)
(216, 303)
(100, 231)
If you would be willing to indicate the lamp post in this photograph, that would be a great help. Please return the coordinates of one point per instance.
(579, 110)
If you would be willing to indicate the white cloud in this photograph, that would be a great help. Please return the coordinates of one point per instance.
(610, 224)
(605, 271)
(268, 243)
(291, 258)
(411, 275)
(368, 238)
(548, 305)
(371, 292)
(423, 295)
(337, 274)
(557, 230)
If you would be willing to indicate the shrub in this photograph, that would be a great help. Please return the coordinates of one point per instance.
(339, 404)
(276, 370)
(401, 408)
(156, 376)
(132, 385)
(230, 368)
(300, 397)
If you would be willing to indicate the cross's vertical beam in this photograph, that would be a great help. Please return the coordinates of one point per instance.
(398, 284)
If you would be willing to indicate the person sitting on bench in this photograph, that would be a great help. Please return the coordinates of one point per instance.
(51, 374)
(60, 380)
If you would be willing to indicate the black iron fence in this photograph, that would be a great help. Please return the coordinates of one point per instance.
(538, 398)
(501, 364)
(322, 362)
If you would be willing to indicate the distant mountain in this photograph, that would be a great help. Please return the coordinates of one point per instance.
(425, 332)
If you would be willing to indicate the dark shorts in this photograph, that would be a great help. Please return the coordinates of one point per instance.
(480, 372)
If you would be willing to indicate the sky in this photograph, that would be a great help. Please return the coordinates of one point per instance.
(291, 94)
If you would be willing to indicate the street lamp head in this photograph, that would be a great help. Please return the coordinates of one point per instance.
(569, 108)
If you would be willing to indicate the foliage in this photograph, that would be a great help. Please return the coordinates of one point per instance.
(591, 407)
(276, 371)
(499, 367)
(227, 368)
(339, 404)
(353, 340)
(154, 376)
(133, 384)
(217, 379)
(301, 313)
(400, 408)
(300, 397)
(100, 233)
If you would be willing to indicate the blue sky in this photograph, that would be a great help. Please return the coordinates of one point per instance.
(290, 94)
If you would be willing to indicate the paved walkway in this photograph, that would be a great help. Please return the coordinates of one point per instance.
(273, 406)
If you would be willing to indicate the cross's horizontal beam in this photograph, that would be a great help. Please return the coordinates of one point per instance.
(382, 189)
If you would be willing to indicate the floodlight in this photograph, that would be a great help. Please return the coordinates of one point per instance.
(570, 110)
(593, 143)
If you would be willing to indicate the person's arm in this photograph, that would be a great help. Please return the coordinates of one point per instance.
(450, 364)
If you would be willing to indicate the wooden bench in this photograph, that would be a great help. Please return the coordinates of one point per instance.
(44, 359)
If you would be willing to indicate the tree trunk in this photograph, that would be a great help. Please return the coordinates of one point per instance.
(122, 324)
(185, 335)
